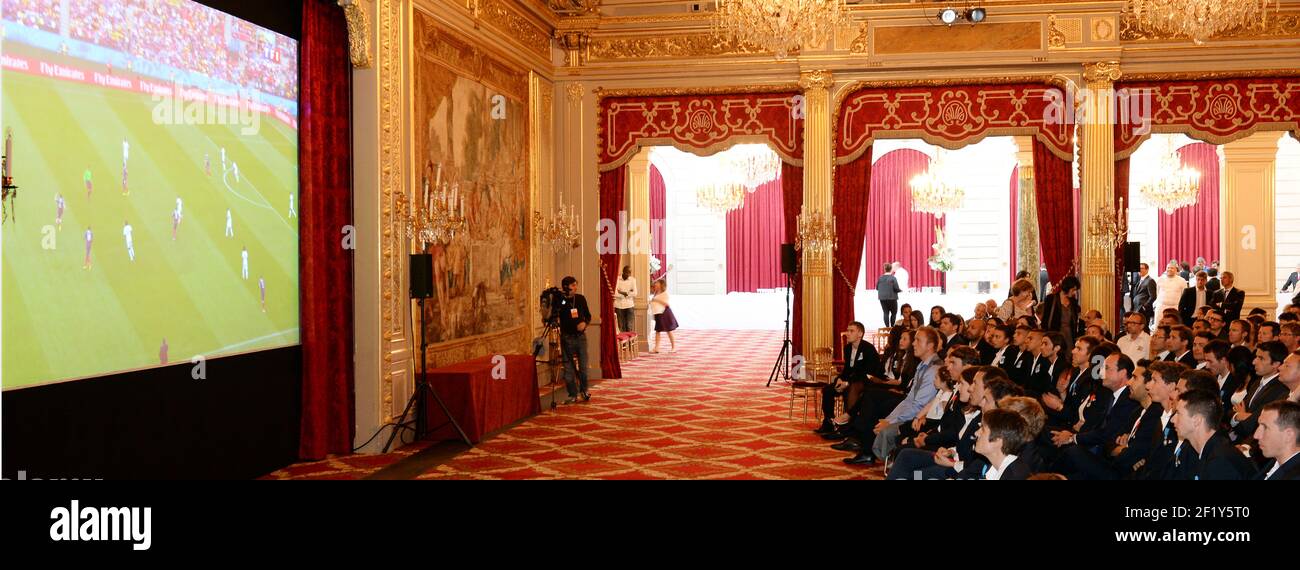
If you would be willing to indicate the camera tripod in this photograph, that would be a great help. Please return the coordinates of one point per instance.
(424, 389)
(782, 367)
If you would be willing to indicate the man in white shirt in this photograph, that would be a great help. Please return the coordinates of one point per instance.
(1278, 435)
(625, 299)
(244, 256)
(126, 233)
(1170, 288)
(230, 224)
(901, 275)
(1137, 343)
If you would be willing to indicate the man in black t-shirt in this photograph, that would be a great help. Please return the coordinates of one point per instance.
(574, 318)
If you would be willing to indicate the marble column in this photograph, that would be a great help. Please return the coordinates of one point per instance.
(1249, 217)
(638, 240)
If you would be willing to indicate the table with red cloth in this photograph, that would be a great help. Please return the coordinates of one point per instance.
(482, 404)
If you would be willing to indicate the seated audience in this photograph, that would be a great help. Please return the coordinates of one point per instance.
(1211, 456)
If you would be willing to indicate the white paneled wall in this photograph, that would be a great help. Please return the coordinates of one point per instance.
(1288, 208)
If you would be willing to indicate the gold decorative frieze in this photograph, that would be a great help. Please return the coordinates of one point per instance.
(391, 176)
(667, 46)
(575, 92)
(359, 31)
(459, 53)
(1055, 35)
(816, 79)
(861, 43)
(1005, 36)
(505, 17)
(1284, 25)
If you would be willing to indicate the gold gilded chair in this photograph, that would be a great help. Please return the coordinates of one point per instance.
(818, 372)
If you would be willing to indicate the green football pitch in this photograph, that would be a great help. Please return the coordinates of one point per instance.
(63, 321)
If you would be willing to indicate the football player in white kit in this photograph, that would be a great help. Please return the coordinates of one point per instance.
(126, 233)
(230, 224)
(244, 255)
(90, 237)
(293, 213)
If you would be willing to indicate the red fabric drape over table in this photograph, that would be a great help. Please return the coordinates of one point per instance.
(480, 402)
(1193, 231)
(755, 232)
(325, 269)
(658, 223)
(792, 199)
(894, 231)
(1054, 191)
(613, 192)
(851, 194)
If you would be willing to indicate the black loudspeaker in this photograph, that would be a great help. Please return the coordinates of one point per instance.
(421, 275)
(789, 259)
(1132, 256)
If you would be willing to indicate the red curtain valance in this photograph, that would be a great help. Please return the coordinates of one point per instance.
(953, 116)
(701, 124)
(1216, 111)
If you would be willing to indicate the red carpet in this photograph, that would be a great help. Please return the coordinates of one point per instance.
(701, 413)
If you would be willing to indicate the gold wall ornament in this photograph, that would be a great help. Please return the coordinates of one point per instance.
(577, 47)
(359, 32)
(1108, 229)
(575, 92)
(861, 43)
(666, 46)
(1200, 20)
(816, 79)
(816, 232)
(1102, 71)
(392, 174)
(573, 7)
(1103, 30)
(781, 26)
(1055, 37)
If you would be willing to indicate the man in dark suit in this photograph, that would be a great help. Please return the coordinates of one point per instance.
(1102, 429)
(1136, 446)
(1213, 455)
(1213, 283)
(950, 328)
(1229, 299)
(1144, 295)
(1218, 363)
(1050, 365)
(1292, 280)
(1180, 346)
(1279, 440)
(1004, 353)
(887, 290)
(1162, 388)
(1061, 312)
(860, 362)
(1194, 298)
(1002, 434)
(1028, 340)
(1268, 364)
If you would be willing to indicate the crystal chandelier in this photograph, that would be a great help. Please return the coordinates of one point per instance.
(932, 192)
(1173, 186)
(720, 196)
(753, 164)
(439, 214)
(560, 231)
(1200, 19)
(816, 232)
(780, 26)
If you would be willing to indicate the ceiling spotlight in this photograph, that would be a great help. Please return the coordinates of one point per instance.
(975, 15)
(948, 16)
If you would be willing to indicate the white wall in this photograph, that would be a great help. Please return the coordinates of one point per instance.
(1288, 208)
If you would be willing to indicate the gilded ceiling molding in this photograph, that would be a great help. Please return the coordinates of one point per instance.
(358, 33)
(602, 93)
(505, 17)
(1104, 71)
(1284, 25)
(668, 46)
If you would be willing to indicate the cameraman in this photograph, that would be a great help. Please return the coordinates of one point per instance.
(574, 317)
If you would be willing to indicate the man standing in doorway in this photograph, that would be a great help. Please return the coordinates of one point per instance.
(887, 289)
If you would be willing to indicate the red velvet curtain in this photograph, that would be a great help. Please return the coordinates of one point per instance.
(1054, 192)
(613, 192)
(851, 193)
(755, 232)
(325, 269)
(792, 200)
(1193, 231)
(658, 222)
(894, 231)
(1015, 224)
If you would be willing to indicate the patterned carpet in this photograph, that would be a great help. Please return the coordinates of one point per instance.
(700, 413)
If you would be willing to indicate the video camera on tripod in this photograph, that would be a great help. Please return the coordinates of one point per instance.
(548, 304)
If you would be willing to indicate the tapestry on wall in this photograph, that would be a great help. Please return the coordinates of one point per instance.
(470, 141)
